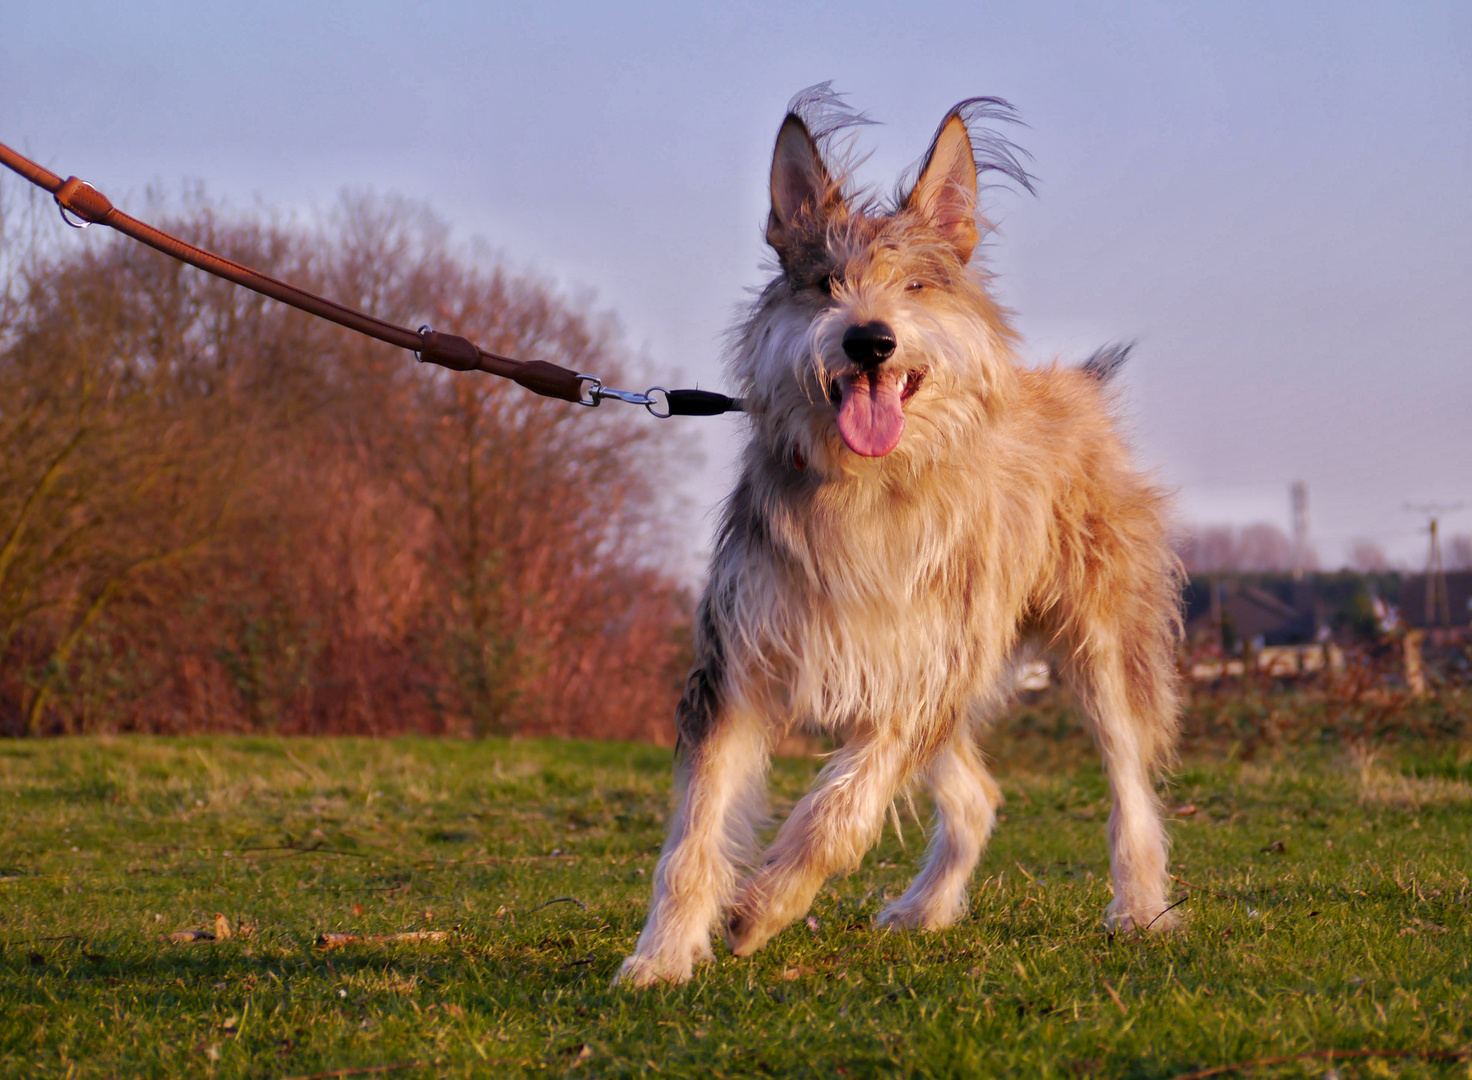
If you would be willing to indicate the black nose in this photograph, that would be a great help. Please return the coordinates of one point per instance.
(869, 345)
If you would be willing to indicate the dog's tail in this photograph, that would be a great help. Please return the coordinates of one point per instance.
(1106, 362)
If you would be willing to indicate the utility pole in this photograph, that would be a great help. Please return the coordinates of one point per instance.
(1435, 572)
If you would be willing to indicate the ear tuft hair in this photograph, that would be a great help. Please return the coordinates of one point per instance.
(992, 150)
(1106, 362)
(826, 116)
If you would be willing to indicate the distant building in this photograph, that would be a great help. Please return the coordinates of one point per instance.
(1234, 610)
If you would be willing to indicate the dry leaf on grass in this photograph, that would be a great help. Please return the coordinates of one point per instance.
(184, 937)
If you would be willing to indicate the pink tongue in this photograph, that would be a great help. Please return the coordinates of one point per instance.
(870, 416)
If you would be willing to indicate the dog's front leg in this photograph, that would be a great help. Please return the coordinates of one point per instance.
(829, 830)
(720, 776)
(966, 801)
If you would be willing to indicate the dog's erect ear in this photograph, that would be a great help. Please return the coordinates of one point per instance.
(946, 190)
(800, 182)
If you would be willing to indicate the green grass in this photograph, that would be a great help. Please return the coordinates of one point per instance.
(1357, 934)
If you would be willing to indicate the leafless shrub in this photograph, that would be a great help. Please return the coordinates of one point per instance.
(218, 513)
(1368, 557)
(1459, 552)
(1258, 548)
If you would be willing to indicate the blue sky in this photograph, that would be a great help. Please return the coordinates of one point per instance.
(1275, 199)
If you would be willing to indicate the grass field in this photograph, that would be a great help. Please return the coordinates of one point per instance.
(1329, 908)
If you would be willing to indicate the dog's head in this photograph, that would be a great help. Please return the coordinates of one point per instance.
(875, 333)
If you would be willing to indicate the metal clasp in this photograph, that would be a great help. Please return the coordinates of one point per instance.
(656, 399)
(593, 392)
(633, 397)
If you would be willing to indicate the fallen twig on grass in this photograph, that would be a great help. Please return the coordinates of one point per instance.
(1199, 888)
(292, 850)
(1177, 904)
(1326, 1055)
(559, 900)
(413, 937)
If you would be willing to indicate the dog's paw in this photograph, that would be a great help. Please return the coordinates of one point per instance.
(1156, 917)
(673, 966)
(747, 930)
(903, 915)
(639, 972)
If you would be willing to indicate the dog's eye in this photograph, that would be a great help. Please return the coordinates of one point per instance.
(915, 286)
(826, 283)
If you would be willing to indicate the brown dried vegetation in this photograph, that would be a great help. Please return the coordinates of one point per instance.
(217, 513)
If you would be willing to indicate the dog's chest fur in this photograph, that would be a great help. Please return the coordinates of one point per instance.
(864, 602)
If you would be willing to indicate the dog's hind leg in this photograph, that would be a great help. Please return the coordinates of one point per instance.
(966, 801)
(722, 795)
(829, 830)
(1130, 700)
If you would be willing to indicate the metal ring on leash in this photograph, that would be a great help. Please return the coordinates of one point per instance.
(77, 224)
(654, 404)
(424, 328)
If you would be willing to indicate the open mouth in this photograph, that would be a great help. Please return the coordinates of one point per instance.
(871, 407)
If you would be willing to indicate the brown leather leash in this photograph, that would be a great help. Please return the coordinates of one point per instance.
(82, 201)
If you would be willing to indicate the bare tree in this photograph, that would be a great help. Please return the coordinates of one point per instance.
(1258, 548)
(284, 526)
(1368, 557)
(1459, 552)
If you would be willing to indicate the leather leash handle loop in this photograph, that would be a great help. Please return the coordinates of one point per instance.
(448, 350)
(84, 200)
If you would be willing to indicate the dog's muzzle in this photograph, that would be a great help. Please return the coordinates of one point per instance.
(871, 396)
(869, 344)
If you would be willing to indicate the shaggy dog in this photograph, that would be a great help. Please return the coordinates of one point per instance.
(916, 511)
